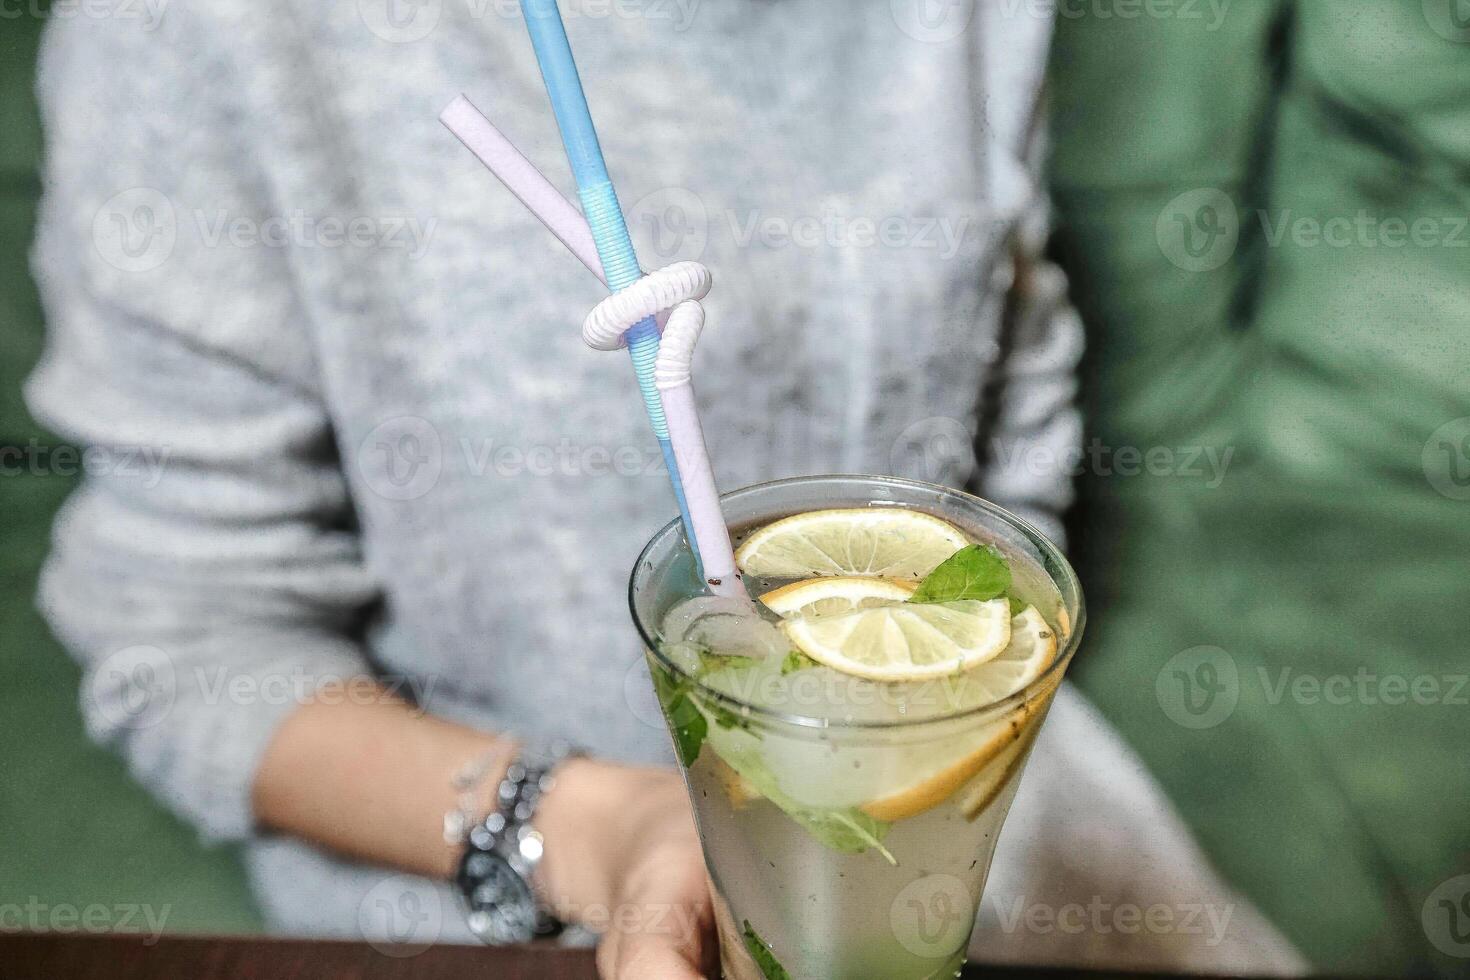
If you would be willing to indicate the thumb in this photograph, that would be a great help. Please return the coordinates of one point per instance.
(645, 956)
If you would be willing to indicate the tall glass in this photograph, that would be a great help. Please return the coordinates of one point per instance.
(848, 826)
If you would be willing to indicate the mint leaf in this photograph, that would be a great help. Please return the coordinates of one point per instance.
(796, 660)
(764, 958)
(850, 831)
(686, 721)
(690, 736)
(710, 662)
(976, 572)
(726, 718)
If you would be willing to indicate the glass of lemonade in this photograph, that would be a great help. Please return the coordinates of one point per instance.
(853, 739)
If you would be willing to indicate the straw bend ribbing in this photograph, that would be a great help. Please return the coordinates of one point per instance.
(658, 292)
(676, 291)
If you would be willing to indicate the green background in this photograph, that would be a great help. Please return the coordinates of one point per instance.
(1325, 548)
(77, 831)
(1326, 368)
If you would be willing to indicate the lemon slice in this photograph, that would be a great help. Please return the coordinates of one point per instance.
(993, 762)
(834, 596)
(1032, 648)
(985, 790)
(881, 541)
(737, 788)
(1004, 745)
(906, 641)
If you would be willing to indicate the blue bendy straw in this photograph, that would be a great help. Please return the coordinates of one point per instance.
(601, 208)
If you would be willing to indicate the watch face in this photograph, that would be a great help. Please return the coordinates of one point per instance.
(502, 909)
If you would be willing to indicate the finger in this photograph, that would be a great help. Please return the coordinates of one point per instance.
(644, 957)
(607, 957)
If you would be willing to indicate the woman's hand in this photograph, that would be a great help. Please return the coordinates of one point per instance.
(622, 854)
(623, 858)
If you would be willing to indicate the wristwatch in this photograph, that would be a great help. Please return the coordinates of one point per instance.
(503, 850)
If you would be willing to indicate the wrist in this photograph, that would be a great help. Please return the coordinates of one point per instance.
(574, 821)
(588, 821)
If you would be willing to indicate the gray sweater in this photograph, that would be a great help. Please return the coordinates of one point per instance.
(343, 419)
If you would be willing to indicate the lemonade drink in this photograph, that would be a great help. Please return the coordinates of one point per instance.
(853, 741)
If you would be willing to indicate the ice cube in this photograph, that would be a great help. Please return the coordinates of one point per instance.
(725, 625)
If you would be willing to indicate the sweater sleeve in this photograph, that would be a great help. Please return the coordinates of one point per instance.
(206, 573)
(1031, 432)
(1034, 440)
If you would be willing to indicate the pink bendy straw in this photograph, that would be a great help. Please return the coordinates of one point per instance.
(671, 294)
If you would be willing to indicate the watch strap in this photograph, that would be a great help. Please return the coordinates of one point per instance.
(502, 852)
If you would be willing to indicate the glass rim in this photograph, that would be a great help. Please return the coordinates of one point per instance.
(1046, 682)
